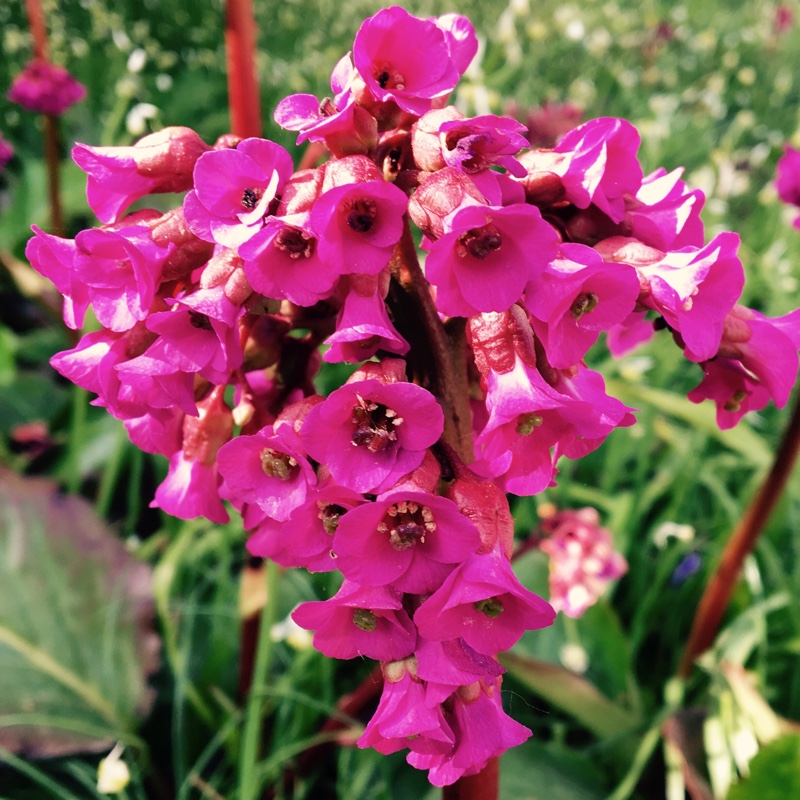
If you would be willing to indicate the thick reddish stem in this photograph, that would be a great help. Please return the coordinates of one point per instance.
(483, 786)
(240, 46)
(53, 173)
(38, 28)
(718, 592)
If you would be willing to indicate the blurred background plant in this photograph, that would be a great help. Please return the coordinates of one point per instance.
(712, 87)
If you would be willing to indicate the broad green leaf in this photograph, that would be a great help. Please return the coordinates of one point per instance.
(539, 771)
(774, 773)
(572, 694)
(76, 638)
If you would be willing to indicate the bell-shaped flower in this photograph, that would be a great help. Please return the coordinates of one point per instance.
(360, 621)
(409, 539)
(234, 190)
(487, 256)
(369, 434)
(483, 602)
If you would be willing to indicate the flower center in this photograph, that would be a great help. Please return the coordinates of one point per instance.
(584, 303)
(278, 465)
(295, 242)
(479, 242)
(387, 78)
(492, 607)
(250, 198)
(360, 214)
(330, 514)
(735, 403)
(375, 425)
(407, 523)
(365, 619)
(200, 321)
(527, 423)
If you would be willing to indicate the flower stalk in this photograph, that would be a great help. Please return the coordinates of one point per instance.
(240, 48)
(718, 592)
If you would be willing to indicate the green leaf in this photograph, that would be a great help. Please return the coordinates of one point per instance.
(76, 638)
(572, 694)
(538, 771)
(773, 772)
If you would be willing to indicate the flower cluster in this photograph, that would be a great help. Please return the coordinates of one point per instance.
(582, 558)
(45, 88)
(213, 317)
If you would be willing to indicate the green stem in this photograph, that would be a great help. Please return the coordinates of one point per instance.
(76, 439)
(249, 783)
(108, 480)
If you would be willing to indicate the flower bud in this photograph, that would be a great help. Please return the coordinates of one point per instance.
(499, 338)
(190, 251)
(205, 434)
(425, 142)
(439, 195)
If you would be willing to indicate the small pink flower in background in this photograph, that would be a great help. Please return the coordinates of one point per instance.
(783, 19)
(6, 151)
(582, 559)
(46, 88)
(787, 181)
(548, 123)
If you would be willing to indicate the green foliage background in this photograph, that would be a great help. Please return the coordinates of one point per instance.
(712, 87)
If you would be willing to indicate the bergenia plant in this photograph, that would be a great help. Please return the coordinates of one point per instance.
(217, 315)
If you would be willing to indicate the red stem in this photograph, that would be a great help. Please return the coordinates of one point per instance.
(483, 786)
(718, 592)
(240, 46)
(38, 28)
(53, 173)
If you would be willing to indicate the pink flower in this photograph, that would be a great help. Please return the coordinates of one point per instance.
(486, 257)
(190, 490)
(360, 621)
(600, 165)
(121, 270)
(282, 261)
(268, 469)
(406, 59)
(410, 539)
(482, 730)
(46, 88)
(305, 539)
(403, 719)
(665, 213)
(363, 326)
(575, 298)
(550, 121)
(234, 190)
(369, 434)
(54, 258)
(160, 162)
(358, 224)
(477, 143)
(483, 602)
(582, 559)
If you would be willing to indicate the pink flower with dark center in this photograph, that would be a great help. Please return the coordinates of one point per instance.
(282, 261)
(732, 388)
(406, 59)
(665, 213)
(600, 167)
(482, 730)
(199, 335)
(483, 602)
(363, 326)
(369, 434)
(406, 538)
(46, 88)
(787, 181)
(160, 162)
(358, 224)
(486, 257)
(360, 621)
(54, 258)
(403, 719)
(305, 539)
(474, 144)
(582, 559)
(268, 469)
(121, 269)
(234, 190)
(575, 298)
